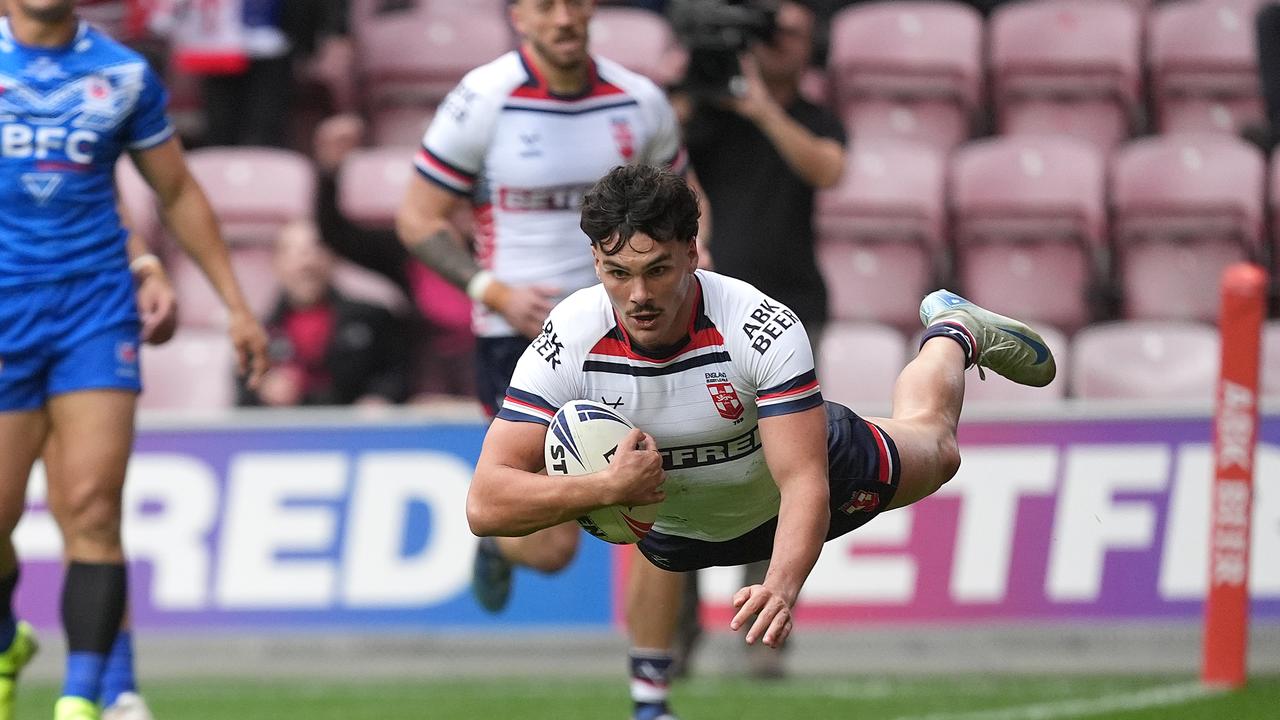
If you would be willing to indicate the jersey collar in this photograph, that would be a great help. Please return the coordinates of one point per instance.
(536, 85)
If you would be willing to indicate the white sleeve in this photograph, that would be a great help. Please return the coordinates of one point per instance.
(545, 377)
(779, 359)
(665, 148)
(455, 144)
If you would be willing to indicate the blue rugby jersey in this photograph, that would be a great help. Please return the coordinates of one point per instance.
(66, 114)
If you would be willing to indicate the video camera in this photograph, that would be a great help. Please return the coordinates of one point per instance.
(715, 32)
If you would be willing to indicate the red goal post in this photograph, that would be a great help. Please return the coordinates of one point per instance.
(1235, 437)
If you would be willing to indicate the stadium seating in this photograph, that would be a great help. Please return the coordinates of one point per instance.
(859, 362)
(401, 125)
(880, 231)
(372, 182)
(1269, 363)
(255, 191)
(1029, 224)
(910, 70)
(1184, 207)
(1204, 66)
(1145, 359)
(199, 305)
(996, 391)
(639, 40)
(193, 371)
(413, 58)
(1067, 67)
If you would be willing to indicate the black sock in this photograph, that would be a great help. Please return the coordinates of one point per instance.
(93, 597)
(8, 624)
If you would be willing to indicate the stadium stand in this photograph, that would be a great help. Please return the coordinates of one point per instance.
(254, 191)
(413, 58)
(1269, 382)
(1185, 206)
(1067, 67)
(859, 361)
(371, 184)
(880, 232)
(1024, 204)
(193, 371)
(639, 40)
(909, 70)
(1145, 359)
(1203, 64)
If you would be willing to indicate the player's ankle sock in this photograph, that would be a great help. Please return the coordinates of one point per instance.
(8, 624)
(957, 332)
(650, 682)
(117, 674)
(93, 597)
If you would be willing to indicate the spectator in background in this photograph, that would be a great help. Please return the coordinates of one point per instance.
(1267, 26)
(760, 156)
(443, 344)
(245, 53)
(326, 349)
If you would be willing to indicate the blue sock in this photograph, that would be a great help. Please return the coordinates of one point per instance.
(84, 675)
(117, 676)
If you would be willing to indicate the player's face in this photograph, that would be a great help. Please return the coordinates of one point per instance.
(304, 266)
(788, 55)
(651, 286)
(556, 29)
(48, 11)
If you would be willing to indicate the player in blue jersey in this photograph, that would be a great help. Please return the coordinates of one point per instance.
(71, 101)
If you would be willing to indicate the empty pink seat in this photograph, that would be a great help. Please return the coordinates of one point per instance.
(910, 70)
(859, 362)
(1269, 363)
(1029, 224)
(640, 40)
(193, 371)
(1204, 66)
(880, 231)
(1185, 206)
(415, 57)
(198, 304)
(1145, 359)
(255, 191)
(372, 182)
(1063, 66)
(995, 391)
(400, 125)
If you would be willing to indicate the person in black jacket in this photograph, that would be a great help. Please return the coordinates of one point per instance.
(327, 349)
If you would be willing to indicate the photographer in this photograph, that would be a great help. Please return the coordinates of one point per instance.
(760, 150)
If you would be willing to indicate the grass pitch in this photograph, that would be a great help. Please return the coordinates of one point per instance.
(949, 698)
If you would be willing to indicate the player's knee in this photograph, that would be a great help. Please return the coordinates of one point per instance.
(91, 514)
(555, 552)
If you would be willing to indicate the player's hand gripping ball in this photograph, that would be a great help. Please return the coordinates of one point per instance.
(582, 439)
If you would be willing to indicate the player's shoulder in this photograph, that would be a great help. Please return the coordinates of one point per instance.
(105, 50)
(496, 79)
(583, 317)
(644, 90)
(747, 316)
(729, 297)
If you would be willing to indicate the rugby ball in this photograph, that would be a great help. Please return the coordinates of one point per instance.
(582, 439)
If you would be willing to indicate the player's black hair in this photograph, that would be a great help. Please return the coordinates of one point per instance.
(639, 198)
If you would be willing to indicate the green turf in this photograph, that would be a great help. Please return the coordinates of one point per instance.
(962, 698)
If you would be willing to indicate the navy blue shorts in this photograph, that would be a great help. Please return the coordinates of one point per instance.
(496, 359)
(59, 337)
(863, 471)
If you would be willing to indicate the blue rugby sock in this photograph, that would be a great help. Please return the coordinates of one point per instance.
(650, 682)
(84, 675)
(117, 675)
(8, 623)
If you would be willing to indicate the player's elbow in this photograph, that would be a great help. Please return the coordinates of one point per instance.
(480, 517)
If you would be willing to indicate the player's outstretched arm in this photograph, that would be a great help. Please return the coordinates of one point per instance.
(795, 448)
(510, 497)
(187, 213)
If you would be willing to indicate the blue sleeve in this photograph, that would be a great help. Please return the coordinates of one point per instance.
(149, 125)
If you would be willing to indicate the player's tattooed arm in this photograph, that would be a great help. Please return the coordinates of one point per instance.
(441, 251)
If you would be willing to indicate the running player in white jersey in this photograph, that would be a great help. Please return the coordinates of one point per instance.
(522, 139)
(734, 437)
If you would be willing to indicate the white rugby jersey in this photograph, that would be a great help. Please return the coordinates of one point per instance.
(746, 357)
(525, 157)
